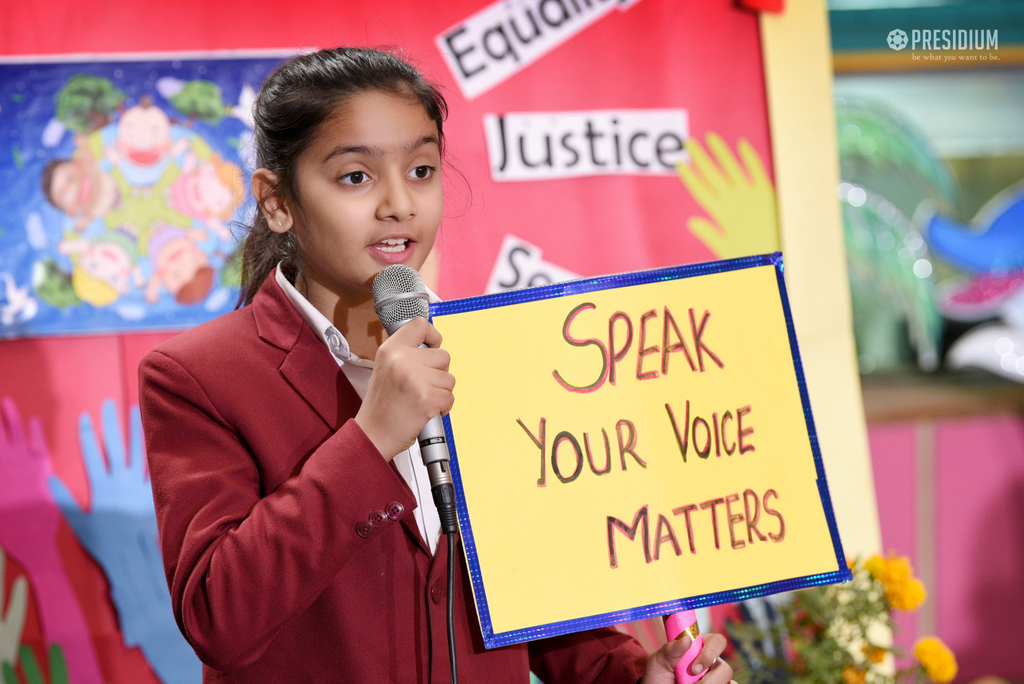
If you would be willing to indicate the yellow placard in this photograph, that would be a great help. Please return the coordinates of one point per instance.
(626, 447)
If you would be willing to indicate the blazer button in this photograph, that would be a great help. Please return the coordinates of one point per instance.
(364, 530)
(438, 592)
(395, 510)
(378, 518)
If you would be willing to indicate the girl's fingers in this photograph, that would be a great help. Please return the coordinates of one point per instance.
(445, 401)
(714, 645)
(416, 332)
(720, 673)
(435, 358)
(443, 380)
(432, 338)
(661, 664)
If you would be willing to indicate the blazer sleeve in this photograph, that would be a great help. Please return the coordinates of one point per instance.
(599, 656)
(242, 562)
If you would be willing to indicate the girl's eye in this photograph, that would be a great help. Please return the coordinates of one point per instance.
(422, 172)
(354, 178)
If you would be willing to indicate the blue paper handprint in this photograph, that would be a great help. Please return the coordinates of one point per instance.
(120, 532)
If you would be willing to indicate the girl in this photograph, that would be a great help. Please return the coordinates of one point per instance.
(278, 436)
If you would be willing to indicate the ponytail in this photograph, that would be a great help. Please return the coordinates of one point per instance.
(262, 252)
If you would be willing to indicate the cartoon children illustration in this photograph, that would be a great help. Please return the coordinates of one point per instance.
(153, 189)
(179, 264)
(84, 191)
(79, 186)
(144, 147)
(103, 268)
(208, 189)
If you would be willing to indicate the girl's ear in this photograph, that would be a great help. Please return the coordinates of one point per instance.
(273, 207)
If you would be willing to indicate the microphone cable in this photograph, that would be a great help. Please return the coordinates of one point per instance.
(444, 498)
(451, 606)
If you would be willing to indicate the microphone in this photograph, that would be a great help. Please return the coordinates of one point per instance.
(399, 296)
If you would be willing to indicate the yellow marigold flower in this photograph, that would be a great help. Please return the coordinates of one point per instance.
(876, 566)
(903, 590)
(854, 675)
(874, 654)
(906, 595)
(938, 661)
(897, 569)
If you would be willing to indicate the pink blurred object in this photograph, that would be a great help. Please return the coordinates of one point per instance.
(980, 297)
(676, 624)
(29, 534)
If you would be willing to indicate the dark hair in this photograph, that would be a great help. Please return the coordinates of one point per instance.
(46, 179)
(293, 102)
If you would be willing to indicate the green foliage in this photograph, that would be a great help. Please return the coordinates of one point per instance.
(881, 151)
(58, 666)
(30, 667)
(87, 102)
(231, 272)
(825, 632)
(889, 169)
(882, 249)
(53, 285)
(9, 676)
(819, 624)
(200, 99)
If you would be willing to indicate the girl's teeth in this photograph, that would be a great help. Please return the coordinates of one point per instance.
(391, 245)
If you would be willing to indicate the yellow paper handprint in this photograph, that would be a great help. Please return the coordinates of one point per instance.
(740, 200)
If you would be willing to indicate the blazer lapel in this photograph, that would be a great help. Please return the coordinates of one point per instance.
(311, 370)
(308, 365)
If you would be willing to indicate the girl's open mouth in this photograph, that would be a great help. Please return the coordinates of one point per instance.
(392, 245)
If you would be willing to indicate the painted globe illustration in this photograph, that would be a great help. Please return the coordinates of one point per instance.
(897, 39)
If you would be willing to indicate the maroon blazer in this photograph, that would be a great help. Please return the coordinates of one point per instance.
(287, 540)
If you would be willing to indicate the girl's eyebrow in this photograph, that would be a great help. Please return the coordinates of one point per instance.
(372, 151)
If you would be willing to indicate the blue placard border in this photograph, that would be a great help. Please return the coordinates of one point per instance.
(573, 287)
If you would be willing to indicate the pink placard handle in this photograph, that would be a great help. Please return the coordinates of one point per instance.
(676, 624)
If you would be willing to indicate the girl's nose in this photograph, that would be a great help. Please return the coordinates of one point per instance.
(397, 202)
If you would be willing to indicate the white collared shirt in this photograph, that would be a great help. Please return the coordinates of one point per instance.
(358, 371)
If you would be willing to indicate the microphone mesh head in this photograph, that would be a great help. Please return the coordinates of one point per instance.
(394, 281)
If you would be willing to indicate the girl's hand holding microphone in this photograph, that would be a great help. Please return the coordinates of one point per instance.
(409, 386)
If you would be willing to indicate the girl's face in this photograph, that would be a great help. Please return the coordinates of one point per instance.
(370, 192)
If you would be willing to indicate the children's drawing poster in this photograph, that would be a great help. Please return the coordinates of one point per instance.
(653, 449)
(124, 182)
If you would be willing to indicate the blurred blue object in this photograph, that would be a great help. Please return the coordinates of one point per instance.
(995, 244)
(992, 252)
